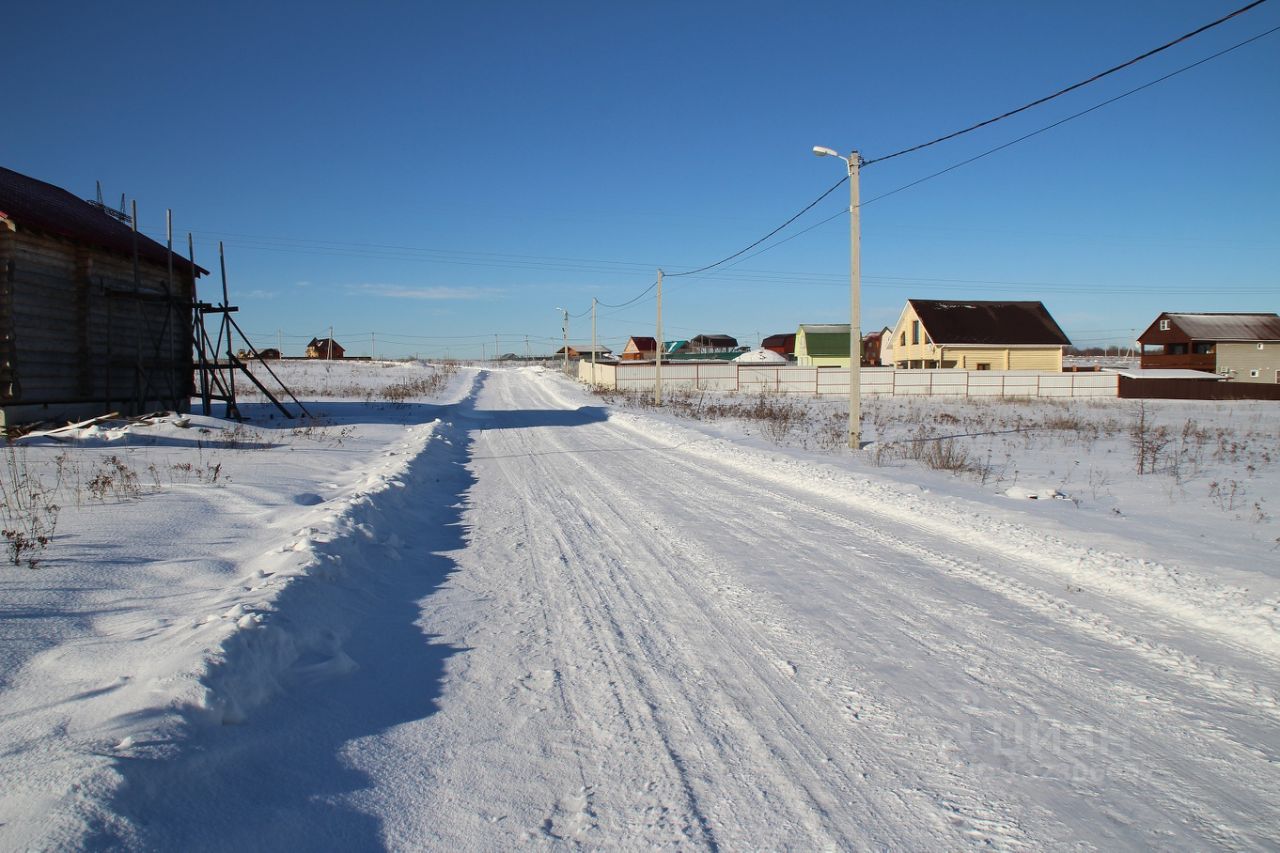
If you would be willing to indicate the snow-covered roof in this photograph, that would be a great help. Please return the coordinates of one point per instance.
(1162, 373)
(1228, 327)
(825, 328)
(761, 356)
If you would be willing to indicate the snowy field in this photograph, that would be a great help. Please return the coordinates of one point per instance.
(474, 609)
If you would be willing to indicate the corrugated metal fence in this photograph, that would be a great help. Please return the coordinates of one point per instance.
(833, 381)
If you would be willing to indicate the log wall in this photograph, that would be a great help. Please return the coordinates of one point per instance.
(78, 330)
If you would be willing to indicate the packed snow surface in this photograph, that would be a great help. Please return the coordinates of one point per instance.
(496, 611)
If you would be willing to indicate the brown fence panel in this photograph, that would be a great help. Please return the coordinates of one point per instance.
(1195, 389)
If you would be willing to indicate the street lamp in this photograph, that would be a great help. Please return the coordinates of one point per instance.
(853, 162)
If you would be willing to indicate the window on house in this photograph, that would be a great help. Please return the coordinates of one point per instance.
(1175, 349)
(1164, 325)
(1203, 348)
(915, 331)
(982, 365)
(1253, 374)
(902, 341)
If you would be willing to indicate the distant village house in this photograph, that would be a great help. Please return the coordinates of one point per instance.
(822, 345)
(584, 351)
(783, 344)
(639, 349)
(326, 348)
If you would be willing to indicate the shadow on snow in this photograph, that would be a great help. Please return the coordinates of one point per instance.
(282, 779)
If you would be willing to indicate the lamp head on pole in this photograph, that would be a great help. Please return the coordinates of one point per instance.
(824, 152)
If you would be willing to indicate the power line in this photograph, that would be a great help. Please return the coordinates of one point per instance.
(630, 301)
(1062, 121)
(1037, 102)
(1013, 142)
(1071, 88)
(806, 209)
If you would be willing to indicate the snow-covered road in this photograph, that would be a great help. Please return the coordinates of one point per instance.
(648, 638)
(665, 649)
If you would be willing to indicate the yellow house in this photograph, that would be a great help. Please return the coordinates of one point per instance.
(823, 345)
(977, 336)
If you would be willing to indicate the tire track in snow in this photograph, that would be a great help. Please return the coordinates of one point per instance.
(1215, 679)
(1222, 680)
(772, 677)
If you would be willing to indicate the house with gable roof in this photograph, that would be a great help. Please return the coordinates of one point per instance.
(822, 345)
(977, 335)
(639, 348)
(1241, 347)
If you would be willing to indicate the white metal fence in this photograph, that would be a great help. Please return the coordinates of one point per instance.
(834, 381)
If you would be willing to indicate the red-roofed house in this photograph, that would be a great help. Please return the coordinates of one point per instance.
(783, 344)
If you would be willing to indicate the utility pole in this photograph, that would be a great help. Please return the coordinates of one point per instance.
(657, 363)
(373, 346)
(565, 328)
(330, 347)
(855, 304)
(853, 162)
(593, 340)
(496, 347)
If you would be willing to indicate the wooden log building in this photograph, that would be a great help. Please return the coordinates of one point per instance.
(94, 317)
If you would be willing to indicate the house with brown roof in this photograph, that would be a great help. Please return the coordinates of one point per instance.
(1241, 347)
(585, 351)
(326, 348)
(94, 316)
(977, 335)
(713, 344)
(783, 344)
(640, 349)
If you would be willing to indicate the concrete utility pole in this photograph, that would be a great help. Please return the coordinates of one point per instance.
(593, 340)
(564, 328)
(657, 363)
(330, 347)
(854, 163)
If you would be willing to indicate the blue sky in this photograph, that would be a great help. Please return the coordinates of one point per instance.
(423, 176)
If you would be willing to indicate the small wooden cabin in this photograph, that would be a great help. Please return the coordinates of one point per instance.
(94, 317)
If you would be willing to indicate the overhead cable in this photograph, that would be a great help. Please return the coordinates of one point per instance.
(1071, 117)
(1071, 88)
(806, 209)
(1022, 138)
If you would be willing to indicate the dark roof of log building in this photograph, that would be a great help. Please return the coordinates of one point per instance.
(996, 323)
(38, 206)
